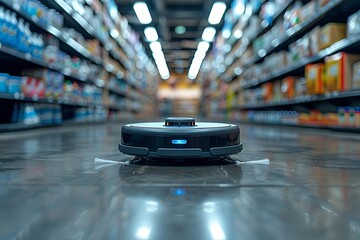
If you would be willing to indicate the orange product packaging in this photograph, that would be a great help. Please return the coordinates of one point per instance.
(314, 78)
(268, 91)
(288, 87)
(338, 74)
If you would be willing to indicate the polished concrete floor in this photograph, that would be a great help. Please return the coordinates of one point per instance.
(55, 184)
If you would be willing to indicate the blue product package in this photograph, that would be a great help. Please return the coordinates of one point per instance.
(3, 82)
(14, 84)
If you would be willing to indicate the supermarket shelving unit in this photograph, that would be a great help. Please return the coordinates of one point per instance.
(231, 80)
(136, 96)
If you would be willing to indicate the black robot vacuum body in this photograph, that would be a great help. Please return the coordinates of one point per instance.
(180, 138)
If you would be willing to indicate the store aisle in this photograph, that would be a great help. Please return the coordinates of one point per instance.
(51, 188)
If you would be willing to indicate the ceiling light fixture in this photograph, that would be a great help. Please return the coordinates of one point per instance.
(198, 59)
(208, 34)
(142, 12)
(217, 12)
(180, 30)
(155, 46)
(196, 64)
(203, 46)
(151, 34)
(161, 64)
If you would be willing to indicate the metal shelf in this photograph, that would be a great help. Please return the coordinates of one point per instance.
(264, 29)
(301, 100)
(22, 126)
(296, 31)
(19, 97)
(26, 57)
(317, 126)
(337, 47)
(75, 46)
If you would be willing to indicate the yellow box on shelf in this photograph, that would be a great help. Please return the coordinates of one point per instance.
(338, 74)
(331, 33)
(314, 78)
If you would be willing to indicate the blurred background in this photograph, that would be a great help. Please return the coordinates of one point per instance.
(282, 62)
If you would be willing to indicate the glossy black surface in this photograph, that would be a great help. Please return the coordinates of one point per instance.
(52, 188)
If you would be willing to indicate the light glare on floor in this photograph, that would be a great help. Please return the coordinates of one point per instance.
(143, 233)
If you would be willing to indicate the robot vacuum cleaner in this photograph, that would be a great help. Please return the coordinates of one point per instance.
(180, 138)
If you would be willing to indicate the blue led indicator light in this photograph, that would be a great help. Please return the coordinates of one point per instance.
(179, 192)
(179, 141)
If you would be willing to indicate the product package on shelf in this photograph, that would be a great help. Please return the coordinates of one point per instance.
(339, 71)
(301, 87)
(332, 33)
(90, 114)
(36, 10)
(349, 117)
(308, 10)
(292, 16)
(277, 95)
(70, 65)
(314, 74)
(356, 76)
(36, 113)
(15, 33)
(14, 84)
(299, 50)
(94, 47)
(314, 36)
(34, 87)
(52, 81)
(82, 94)
(288, 87)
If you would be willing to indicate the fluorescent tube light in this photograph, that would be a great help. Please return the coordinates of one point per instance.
(217, 12)
(161, 64)
(208, 34)
(199, 55)
(151, 34)
(155, 46)
(203, 46)
(142, 12)
(195, 67)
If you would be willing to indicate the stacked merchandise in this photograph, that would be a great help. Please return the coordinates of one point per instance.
(37, 114)
(295, 56)
(70, 56)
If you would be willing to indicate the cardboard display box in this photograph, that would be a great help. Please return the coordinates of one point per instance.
(338, 74)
